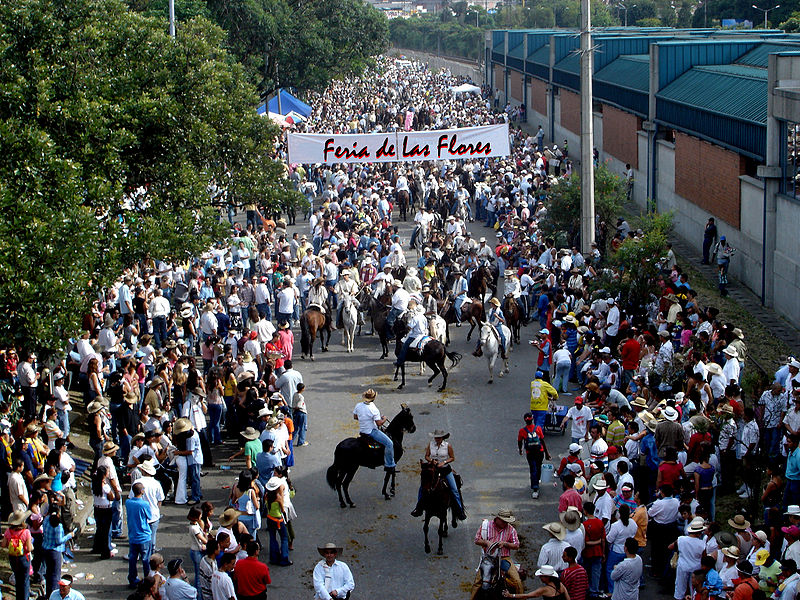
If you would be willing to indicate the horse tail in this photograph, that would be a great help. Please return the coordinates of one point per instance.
(332, 475)
(454, 357)
(305, 335)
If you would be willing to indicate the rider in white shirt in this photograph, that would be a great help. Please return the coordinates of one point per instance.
(369, 420)
(418, 327)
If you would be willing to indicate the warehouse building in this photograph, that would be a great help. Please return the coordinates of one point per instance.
(709, 120)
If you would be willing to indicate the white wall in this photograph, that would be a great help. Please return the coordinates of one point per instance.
(787, 259)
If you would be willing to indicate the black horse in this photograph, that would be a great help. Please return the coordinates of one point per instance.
(436, 501)
(363, 451)
(481, 281)
(433, 354)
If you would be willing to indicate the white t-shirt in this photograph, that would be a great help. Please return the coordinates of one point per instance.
(367, 414)
(286, 300)
(580, 420)
(222, 586)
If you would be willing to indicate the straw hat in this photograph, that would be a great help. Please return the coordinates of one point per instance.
(730, 351)
(155, 381)
(505, 514)
(109, 448)
(726, 409)
(249, 433)
(147, 467)
(640, 402)
(329, 546)
(697, 525)
(94, 407)
(571, 518)
(182, 425)
(555, 529)
(601, 485)
(229, 517)
(131, 398)
(439, 433)
(546, 571)
(247, 357)
(738, 333)
(495, 302)
(739, 522)
(18, 517)
(714, 368)
(370, 395)
(732, 552)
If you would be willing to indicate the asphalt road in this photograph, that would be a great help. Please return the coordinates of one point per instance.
(382, 543)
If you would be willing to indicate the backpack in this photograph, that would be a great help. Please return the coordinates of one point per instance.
(15, 546)
(532, 441)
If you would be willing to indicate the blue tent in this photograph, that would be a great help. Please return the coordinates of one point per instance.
(288, 104)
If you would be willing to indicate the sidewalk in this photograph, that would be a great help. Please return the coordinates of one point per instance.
(775, 324)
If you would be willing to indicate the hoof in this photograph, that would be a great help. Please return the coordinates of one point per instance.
(352, 505)
(427, 549)
(343, 505)
(501, 373)
(302, 357)
(312, 359)
(441, 389)
(440, 552)
(490, 381)
(387, 497)
(430, 384)
(507, 371)
(401, 386)
(444, 533)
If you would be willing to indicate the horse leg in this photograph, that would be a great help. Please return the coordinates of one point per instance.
(339, 482)
(447, 330)
(396, 371)
(311, 346)
(490, 362)
(346, 485)
(435, 370)
(471, 327)
(403, 375)
(443, 369)
(442, 525)
(386, 477)
(425, 530)
(392, 489)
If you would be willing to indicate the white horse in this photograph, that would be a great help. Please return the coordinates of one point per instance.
(349, 320)
(437, 329)
(491, 348)
(423, 236)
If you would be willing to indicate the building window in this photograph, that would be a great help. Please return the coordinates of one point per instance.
(790, 160)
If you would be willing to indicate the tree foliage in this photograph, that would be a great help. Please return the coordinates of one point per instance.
(110, 132)
(564, 206)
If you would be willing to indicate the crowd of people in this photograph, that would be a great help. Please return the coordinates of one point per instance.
(176, 358)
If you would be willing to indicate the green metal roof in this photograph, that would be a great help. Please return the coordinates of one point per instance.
(518, 52)
(541, 56)
(571, 63)
(759, 56)
(630, 71)
(735, 91)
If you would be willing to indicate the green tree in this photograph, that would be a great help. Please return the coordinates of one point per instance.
(111, 133)
(564, 210)
(792, 24)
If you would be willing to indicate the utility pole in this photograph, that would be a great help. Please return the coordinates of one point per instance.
(766, 12)
(172, 18)
(587, 133)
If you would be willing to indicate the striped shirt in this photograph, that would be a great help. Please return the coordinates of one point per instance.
(493, 534)
(575, 580)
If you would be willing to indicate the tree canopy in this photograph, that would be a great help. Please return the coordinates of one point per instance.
(110, 134)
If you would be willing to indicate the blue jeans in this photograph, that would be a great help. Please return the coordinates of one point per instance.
(154, 535)
(388, 447)
(63, 422)
(404, 350)
(53, 560)
(613, 559)
(791, 493)
(539, 418)
(300, 426)
(193, 478)
(214, 418)
(285, 317)
(265, 311)
(772, 441)
(561, 376)
(136, 552)
(594, 568)
(124, 447)
(535, 466)
(159, 331)
(390, 319)
(278, 550)
(21, 566)
(197, 556)
(116, 519)
(500, 333)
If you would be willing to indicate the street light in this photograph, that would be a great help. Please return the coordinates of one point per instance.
(625, 8)
(766, 11)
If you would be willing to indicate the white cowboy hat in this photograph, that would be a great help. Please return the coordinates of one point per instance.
(731, 352)
(670, 414)
(546, 571)
(147, 467)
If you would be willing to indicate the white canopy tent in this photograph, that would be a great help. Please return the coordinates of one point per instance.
(466, 88)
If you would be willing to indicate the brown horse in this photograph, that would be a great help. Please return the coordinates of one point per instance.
(403, 199)
(471, 312)
(313, 322)
(481, 282)
(377, 312)
(513, 316)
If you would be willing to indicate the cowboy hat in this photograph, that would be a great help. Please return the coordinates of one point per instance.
(793, 510)
(155, 381)
(546, 571)
(745, 566)
(18, 517)
(91, 409)
(494, 301)
(229, 517)
(131, 398)
(41, 478)
(109, 447)
(738, 333)
(725, 408)
(601, 485)
(439, 433)
(329, 546)
(731, 552)
(273, 484)
(670, 414)
(571, 518)
(246, 356)
(739, 522)
(505, 514)
(158, 412)
(370, 395)
(147, 467)
(640, 402)
(664, 333)
(137, 437)
(574, 448)
(731, 352)
(182, 425)
(556, 530)
(714, 368)
(249, 433)
(570, 319)
(265, 412)
(697, 525)
(700, 423)
(272, 423)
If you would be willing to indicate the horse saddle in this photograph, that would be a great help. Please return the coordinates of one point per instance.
(419, 342)
(370, 443)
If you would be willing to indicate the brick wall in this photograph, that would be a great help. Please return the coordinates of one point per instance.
(499, 78)
(619, 135)
(515, 85)
(570, 111)
(538, 96)
(708, 176)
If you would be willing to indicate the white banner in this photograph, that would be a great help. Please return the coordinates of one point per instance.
(400, 146)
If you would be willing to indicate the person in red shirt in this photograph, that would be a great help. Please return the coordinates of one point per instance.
(531, 438)
(572, 458)
(570, 496)
(594, 548)
(574, 577)
(275, 347)
(629, 352)
(745, 584)
(252, 575)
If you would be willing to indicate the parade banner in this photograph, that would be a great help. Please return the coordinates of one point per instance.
(400, 146)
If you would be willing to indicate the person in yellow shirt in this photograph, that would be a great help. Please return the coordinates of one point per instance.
(541, 394)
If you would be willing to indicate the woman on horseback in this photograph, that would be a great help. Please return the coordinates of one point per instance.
(440, 454)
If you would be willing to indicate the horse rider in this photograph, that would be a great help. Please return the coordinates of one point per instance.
(369, 422)
(500, 530)
(318, 295)
(368, 271)
(418, 327)
(400, 300)
(440, 454)
(344, 287)
(411, 283)
(496, 319)
(382, 280)
(331, 274)
(428, 301)
(512, 287)
(459, 288)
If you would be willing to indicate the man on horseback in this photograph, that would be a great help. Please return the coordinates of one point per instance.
(400, 299)
(496, 319)
(499, 530)
(318, 296)
(418, 325)
(369, 421)
(440, 453)
(344, 287)
(459, 288)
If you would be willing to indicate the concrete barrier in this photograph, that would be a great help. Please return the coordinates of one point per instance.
(458, 66)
